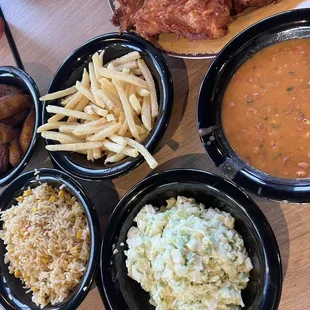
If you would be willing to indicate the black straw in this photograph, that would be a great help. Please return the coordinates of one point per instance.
(12, 44)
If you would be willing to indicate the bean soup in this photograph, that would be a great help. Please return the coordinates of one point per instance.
(266, 110)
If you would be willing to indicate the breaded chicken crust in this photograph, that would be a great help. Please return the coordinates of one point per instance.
(124, 14)
(193, 19)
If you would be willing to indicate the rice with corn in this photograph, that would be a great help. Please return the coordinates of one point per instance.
(47, 241)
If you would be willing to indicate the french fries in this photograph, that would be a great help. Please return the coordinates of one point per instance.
(146, 113)
(113, 147)
(73, 146)
(126, 58)
(129, 151)
(124, 77)
(118, 139)
(68, 112)
(135, 104)
(59, 94)
(107, 113)
(109, 130)
(127, 109)
(51, 126)
(144, 152)
(151, 86)
(68, 127)
(60, 137)
(114, 158)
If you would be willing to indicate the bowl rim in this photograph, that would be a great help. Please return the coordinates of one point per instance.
(268, 242)
(221, 154)
(33, 91)
(50, 175)
(154, 138)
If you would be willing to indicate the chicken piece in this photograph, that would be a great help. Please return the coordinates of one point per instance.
(4, 157)
(124, 14)
(15, 119)
(240, 5)
(9, 90)
(194, 19)
(12, 104)
(15, 152)
(7, 134)
(27, 131)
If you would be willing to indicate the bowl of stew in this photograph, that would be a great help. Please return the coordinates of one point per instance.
(253, 113)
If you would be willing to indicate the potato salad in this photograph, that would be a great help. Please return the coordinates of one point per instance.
(188, 257)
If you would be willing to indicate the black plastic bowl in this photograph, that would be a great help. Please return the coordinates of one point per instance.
(115, 45)
(264, 288)
(12, 293)
(16, 77)
(290, 25)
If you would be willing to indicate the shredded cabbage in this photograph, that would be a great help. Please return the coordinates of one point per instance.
(188, 257)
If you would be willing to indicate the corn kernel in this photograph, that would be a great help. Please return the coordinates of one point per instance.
(61, 193)
(22, 231)
(44, 260)
(11, 251)
(35, 289)
(34, 210)
(28, 192)
(79, 234)
(24, 274)
(16, 273)
(52, 199)
(19, 199)
(75, 251)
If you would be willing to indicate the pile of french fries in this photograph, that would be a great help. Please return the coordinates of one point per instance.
(108, 114)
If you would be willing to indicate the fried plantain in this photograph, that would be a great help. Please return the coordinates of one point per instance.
(4, 157)
(12, 104)
(7, 134)
(15, 119)
(15, 152)
(27, 131)
(9, 90)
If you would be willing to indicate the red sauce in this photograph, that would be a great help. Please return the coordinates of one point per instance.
(266, 110)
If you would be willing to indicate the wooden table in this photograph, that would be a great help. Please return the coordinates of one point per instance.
(47, 31)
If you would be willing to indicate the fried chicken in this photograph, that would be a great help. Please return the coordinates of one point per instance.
(240, 5)
(194, 19)
(125, 12)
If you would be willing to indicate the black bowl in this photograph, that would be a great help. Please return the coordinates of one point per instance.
(16, 77)
(121, 292)
(290, 25)
(115, 45)
(12, 293)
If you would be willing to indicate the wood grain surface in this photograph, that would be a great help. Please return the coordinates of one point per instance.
(47, 31)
